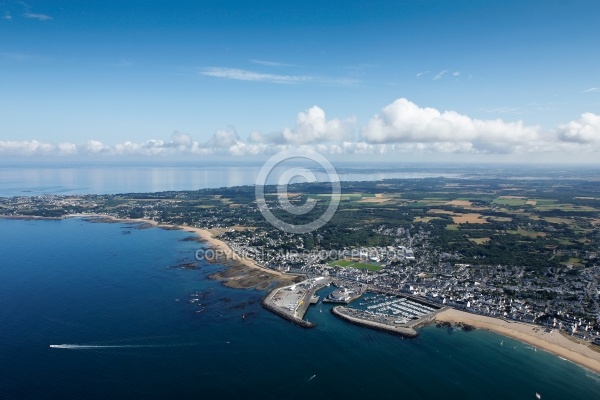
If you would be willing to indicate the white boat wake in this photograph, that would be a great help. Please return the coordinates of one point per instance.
(122, 346)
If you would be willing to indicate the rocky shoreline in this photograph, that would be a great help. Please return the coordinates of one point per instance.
(458, 325)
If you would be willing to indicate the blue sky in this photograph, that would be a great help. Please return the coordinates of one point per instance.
(487, 78)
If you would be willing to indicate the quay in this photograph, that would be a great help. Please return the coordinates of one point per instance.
(291, 302)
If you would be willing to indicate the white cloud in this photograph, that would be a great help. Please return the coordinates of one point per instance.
(593, 89)
(422, 73)
(405, 122)
(311, 126)
(25, 148)
(224, 138)
(39, 17)
(270, 63)
(584, 130)
(244, 75)
(178, 144)
(252, 76)
(93, 147)
(66, 149)
(456, 73)
(179, 139)
(440, 75)
(401, 127)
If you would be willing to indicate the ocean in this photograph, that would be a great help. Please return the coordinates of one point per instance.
(121, 299)
(68, 179)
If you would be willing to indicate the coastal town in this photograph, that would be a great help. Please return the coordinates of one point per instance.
(504, 251)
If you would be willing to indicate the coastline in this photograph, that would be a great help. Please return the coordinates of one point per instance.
(533, 335)
(240, 273)
(553, 342)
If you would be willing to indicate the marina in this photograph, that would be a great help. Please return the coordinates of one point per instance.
(392, 313)
(387, 305)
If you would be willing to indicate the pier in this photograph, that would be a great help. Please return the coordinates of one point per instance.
(291, 302)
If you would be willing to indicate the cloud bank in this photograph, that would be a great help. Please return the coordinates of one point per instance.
(401, 127)
(405, 122)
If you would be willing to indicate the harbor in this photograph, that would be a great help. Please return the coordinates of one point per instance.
(374, 308)
(389, 312)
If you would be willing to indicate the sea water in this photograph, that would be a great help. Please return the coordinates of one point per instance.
(58, 179)
(131, 320)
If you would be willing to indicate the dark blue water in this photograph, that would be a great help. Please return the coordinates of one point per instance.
(75, 282)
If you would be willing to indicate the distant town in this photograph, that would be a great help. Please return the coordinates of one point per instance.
(517, 249)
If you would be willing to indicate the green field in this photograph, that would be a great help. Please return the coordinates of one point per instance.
(343, 197)
(510, 202)
(542, 202)
(357, 265)
(425, 219)
(565, 207)
(342, 263)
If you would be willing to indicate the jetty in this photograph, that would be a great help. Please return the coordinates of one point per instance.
(291, 302)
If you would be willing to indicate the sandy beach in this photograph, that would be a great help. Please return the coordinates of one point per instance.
(225, 250)
(553, 342)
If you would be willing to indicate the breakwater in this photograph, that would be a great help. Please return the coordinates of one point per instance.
(291, 302)
(361, 318)
(285, 315)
